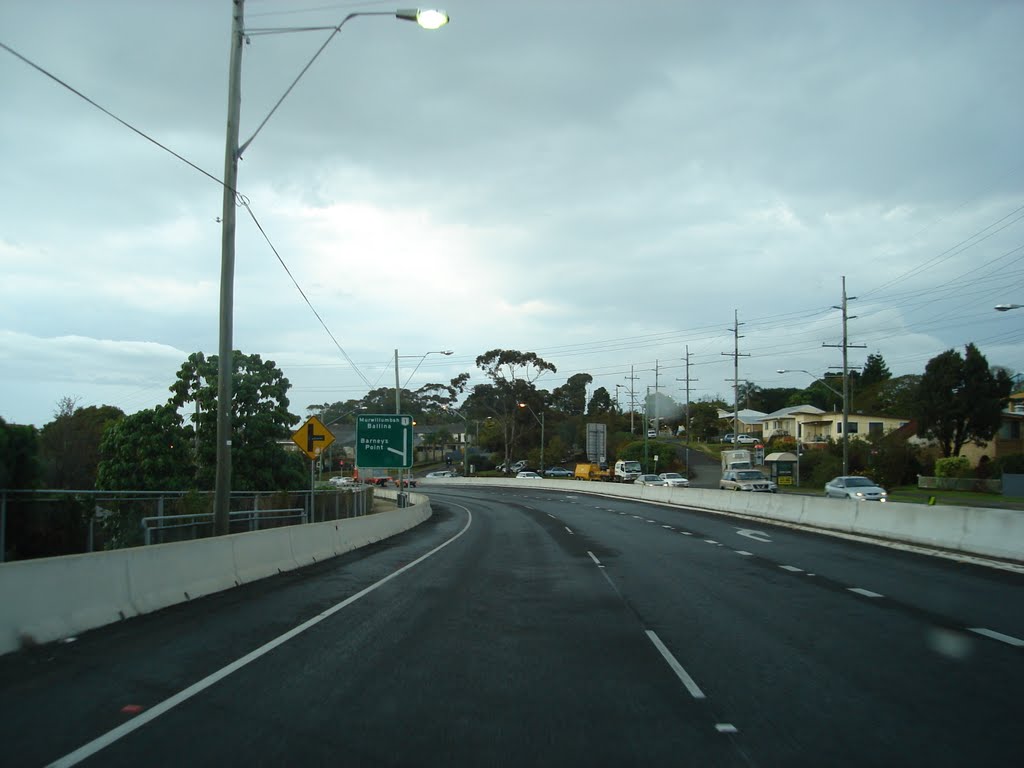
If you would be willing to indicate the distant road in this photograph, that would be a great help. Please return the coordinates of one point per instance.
(554, 629)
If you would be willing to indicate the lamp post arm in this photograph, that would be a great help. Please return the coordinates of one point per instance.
(330, 37)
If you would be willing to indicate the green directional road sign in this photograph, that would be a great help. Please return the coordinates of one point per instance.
(384, 440)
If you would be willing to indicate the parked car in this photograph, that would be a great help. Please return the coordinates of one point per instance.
(855, 487)
(747, 440)
(746, 480)
(527, 475)
(339, 480)
(649, 480)
(652, 433)
(728, 438)
(405, 482)
(557, 472)
(674, 479)
(441, 473)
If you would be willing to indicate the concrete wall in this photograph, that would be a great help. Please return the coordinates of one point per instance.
(987, 532)
(54, 597)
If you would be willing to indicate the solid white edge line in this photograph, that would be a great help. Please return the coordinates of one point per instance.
(681, 673)
(568, 529)
(743, 552)
(1008, 639)
(592, 557)
(111, 736)
(791, 568)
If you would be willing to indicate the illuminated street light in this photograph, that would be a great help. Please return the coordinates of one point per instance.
(1007, 307)
(232, 154)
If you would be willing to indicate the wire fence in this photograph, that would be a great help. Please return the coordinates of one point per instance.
(49, 523)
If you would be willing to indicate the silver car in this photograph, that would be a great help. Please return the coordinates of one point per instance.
(855, 487)
(675, 479)
(746, 480)
(649, 480)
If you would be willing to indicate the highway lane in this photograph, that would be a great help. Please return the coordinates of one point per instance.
(536, 638)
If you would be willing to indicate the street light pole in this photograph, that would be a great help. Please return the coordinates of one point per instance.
(428, 19)
(541, 422)
(845, 412)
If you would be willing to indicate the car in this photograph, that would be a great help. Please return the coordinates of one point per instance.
(674, 479)
(855, 487)
(339, 480)
(747, 440)
(405, 482)
(527, 475)
(728, 438)
(557, 472)
(649, 480)
(441, 473)
(652, 433)
(752, 480)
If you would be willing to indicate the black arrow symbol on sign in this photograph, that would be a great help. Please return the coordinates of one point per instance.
(312, 437)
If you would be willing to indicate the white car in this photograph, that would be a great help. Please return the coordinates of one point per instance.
(747, 440)
(855, 487)
(675, 479)
(527, 475)
(649, 480)
(339, 480)
(441, 473)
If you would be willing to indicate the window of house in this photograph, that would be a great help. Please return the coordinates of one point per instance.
(875, 428)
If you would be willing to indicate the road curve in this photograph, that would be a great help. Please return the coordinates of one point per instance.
(533, 627)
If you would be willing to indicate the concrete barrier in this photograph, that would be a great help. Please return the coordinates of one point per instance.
(50, 598)
(982, 531)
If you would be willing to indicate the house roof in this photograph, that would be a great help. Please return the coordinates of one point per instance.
(744, 415)
(793, 409)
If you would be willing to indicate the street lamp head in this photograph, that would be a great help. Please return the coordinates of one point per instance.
(447, 352)
(1007, 307)
(427, 18)
(782, 370)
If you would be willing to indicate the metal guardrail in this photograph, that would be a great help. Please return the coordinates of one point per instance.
(160, 523)
(55, 522)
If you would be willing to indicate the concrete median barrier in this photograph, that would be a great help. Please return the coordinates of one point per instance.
(56, 597)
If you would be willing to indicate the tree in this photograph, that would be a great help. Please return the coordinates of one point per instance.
(960, 400)
(601, 403)
(875, 371)
(703, 421)
(512, 374)
(70, 444)
(260, 418)
(571, 397)
(146, 451)
(19, 456)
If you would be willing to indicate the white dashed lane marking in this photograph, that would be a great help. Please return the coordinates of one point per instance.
(791, 568)
(864, 592)
(742, 552)
(1008, 639)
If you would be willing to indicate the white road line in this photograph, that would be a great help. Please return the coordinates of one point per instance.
(681, 673)
(592, 557)
(710, 541)
(638, 517)
(864, 592)
(568, 529)
(997, 636)
(111, 736)
(686, 533)
(550, 515)
(743, 552)
(791, 568)
(726, 728)
(668, 526)
(652, 521)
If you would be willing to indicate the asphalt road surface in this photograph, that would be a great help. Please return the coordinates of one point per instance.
(523, 627)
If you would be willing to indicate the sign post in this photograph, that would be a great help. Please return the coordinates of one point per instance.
(312, 438)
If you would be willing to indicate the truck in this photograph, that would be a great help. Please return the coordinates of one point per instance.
(626, 471)
(738, 459)
(592, 471)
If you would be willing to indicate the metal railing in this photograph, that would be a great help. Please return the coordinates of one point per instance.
(161, 524)
(54, 522)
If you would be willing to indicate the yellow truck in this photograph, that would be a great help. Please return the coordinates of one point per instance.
(591, 471)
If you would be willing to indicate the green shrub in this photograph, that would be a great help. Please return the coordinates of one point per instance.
(954, 466)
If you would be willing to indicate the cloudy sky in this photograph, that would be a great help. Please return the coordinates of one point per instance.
(601, 183)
